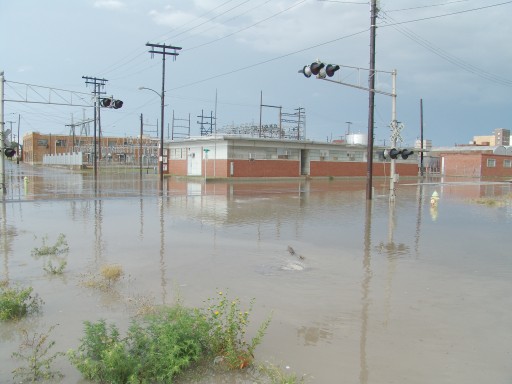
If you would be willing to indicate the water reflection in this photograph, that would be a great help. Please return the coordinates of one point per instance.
(384, 291)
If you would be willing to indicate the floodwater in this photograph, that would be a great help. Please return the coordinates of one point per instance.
(375, 293)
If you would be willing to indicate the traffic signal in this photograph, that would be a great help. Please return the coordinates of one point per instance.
(406, 153)
(391, 153)
(109, 102)
(106, 102)
(9, 152)
(319, 69)
(116, 104)
(331, 69)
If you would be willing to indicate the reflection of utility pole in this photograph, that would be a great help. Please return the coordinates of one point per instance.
(365, 289)
(163, 281)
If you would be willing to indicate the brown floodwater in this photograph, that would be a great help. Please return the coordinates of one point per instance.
(373, 293)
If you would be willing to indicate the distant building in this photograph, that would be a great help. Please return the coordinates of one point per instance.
(117, 149)
(475, 161)
(501, 136)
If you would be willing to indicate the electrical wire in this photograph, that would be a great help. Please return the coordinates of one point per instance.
(445, 55)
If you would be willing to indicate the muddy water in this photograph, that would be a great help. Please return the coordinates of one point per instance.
(380, 293)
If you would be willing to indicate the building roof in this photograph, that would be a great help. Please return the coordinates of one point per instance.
(495, 149)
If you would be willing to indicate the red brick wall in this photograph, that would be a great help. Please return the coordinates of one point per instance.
(499, 170)
(291, 168)
(264, 168)
(217, 168)
(177, 167)
(462, 164)
(336, 168)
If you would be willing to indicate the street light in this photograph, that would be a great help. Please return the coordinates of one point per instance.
(161, 166)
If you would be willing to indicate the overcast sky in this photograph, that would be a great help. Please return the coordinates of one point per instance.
(455, 55)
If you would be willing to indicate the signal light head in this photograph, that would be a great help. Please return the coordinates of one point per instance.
(331, 69)
(117, 104)
(306, 71)
(406, 153)
(106, 102)
(393, 153)
(316, 67)
(9, 152)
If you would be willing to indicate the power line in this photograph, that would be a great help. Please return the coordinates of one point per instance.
(427, 6)
(447, 56)
(269, 60)
(248, 27)
(446, 14)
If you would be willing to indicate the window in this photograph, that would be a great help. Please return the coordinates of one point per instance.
(60, 143)
(507, 163)
(491, 163)
(42, 142)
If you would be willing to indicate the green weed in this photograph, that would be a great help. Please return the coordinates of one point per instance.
(55, 269)
(16, 302)
(162, 345)
(35, 352)
(276, 375)
(60, 247)
(228, 328)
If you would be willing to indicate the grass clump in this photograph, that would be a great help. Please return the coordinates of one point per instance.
(161, 346)
(35, 352)
(16, 302)
(276, 375)
(108, 275)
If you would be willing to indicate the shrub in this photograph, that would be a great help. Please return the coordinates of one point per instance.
(166, 344)
(161, 346)
(153, 351)
(102, 355)
(35, 352)
(17, 302)
(228, 327)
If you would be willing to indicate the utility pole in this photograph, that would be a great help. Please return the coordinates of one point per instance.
(371, 102)
(99, 84)
(164, 53)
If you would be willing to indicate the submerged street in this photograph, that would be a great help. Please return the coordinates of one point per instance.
(359, 293)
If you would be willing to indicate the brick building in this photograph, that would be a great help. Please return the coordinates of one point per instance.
(475, 161)
(36, 145)
(231, 156)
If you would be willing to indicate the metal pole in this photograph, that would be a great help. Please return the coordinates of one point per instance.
(162, 97)
(371, 102)
(94, 136)
(2, 123)
(140, 146)
(394, 127)
(421, 137)
(261, 109)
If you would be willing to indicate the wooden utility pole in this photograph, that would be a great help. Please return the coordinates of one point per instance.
(163, 51)
(371, 102)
